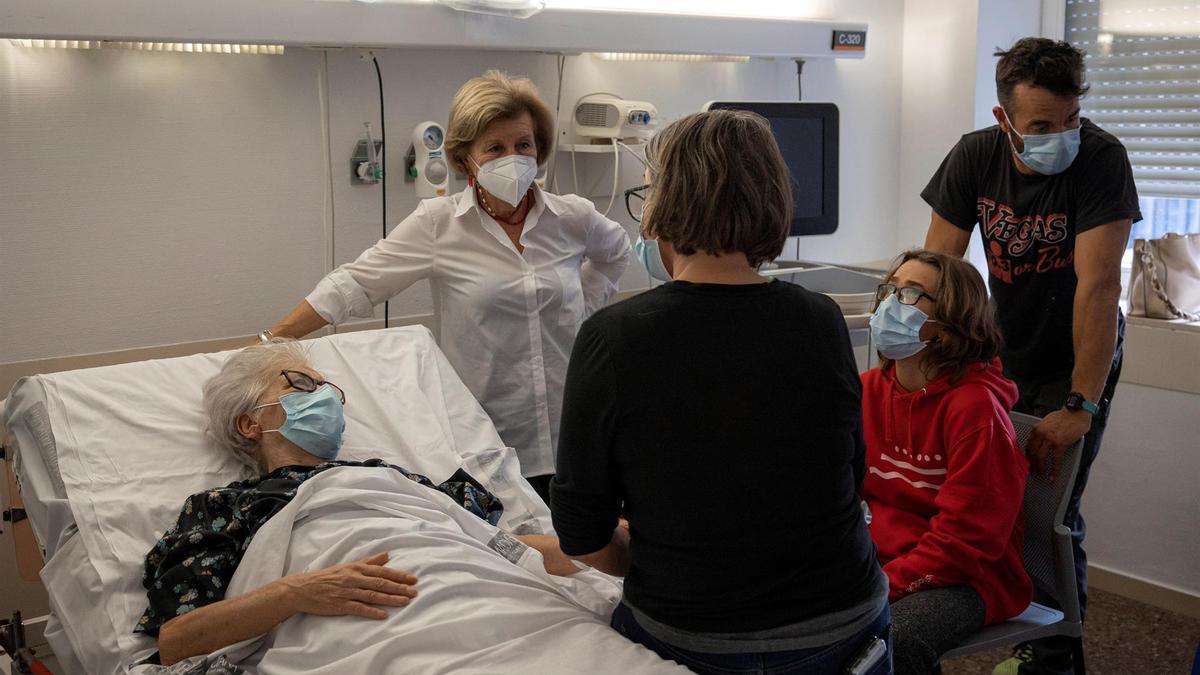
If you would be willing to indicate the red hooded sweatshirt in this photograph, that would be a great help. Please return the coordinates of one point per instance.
(945, 482)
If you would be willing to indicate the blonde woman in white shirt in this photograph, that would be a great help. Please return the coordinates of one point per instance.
(513, 270)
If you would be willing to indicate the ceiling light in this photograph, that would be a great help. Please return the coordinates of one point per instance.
(636, 56)
(189, 47)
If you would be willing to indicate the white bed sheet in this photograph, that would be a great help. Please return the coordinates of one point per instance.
(129, 446)
(36, 464)
(485, 603)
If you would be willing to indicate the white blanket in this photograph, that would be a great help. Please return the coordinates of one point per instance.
(483, 605)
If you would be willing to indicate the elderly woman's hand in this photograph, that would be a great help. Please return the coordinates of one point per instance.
(354, 589)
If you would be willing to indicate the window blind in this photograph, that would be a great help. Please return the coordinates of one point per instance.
(1143, 65)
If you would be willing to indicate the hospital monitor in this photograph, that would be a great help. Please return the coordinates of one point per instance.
(807, 134)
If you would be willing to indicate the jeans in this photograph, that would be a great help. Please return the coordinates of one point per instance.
(827, 660)
(541, 485)
(1053, 655)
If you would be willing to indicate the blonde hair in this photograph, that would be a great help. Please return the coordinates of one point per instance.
(239, 386)
(718, 184)
(490, 97)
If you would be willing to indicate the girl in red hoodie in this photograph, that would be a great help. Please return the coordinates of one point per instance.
(945, 478)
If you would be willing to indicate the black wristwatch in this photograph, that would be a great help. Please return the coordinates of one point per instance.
(1077, 401)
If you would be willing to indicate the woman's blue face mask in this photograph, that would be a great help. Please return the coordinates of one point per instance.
(315, 420)
(647, 251)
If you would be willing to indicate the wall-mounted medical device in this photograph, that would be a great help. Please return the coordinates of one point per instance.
(604, 116)
(366, 164)
(807, 134)
(429, 170)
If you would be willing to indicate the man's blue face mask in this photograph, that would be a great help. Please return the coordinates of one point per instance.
(315, 421)
(1047, 154)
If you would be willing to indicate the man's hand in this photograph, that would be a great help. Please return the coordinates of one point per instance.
(355, 589)
(1052, 436)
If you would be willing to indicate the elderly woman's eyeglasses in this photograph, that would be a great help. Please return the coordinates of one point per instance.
(305, 382)
(635, 202)
(908, 295)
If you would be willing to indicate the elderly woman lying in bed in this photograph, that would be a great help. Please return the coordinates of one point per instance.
(276, 413)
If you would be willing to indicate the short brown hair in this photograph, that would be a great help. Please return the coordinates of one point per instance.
(970, 333)
(490, 97)
(719, 185)
(1040, 62)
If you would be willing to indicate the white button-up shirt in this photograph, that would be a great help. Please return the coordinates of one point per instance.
(506, 320)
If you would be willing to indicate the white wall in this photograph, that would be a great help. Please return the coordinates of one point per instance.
(937, 101)
(1141, 502)
(949, 88)
(867, 93)
(153, 198)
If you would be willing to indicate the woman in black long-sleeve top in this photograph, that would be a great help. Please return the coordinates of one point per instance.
(721, 414)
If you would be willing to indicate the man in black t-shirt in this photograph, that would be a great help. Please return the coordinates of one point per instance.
(1054, 197)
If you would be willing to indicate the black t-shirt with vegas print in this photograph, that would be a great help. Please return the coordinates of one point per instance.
(1029, 225)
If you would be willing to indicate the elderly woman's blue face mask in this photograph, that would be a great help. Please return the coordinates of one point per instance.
(315, 418)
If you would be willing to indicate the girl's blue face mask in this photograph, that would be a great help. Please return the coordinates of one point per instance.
(896, 329)
(1047, 154)
(647, 251)
(315, 421)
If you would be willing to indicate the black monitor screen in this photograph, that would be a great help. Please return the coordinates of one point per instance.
(807, 134)
(800, 141)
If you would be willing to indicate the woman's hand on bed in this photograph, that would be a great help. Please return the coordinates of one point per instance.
(555, 561)
(359, 588)
(356, 588)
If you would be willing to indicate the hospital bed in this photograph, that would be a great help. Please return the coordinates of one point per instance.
(105, 457)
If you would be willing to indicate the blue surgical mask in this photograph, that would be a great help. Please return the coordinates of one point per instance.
(896, 329)
(1047, 154)
(315, 421)
(647, 251)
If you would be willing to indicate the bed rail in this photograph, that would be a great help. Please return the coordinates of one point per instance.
(28, 552)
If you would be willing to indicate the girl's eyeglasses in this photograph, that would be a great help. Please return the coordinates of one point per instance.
(908, 295)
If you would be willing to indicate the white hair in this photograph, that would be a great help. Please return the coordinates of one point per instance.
(240, 386)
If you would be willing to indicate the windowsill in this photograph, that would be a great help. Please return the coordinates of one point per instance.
(1164, 324)
(1161, 353)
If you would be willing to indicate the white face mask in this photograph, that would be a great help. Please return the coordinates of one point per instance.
(507, 177)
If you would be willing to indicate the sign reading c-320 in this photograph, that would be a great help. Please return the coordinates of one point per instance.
(850, 40)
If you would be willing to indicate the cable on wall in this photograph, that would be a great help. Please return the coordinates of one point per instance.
(799, 79)
(616, 175)
(799, 97)
(383, 162)
(552, 169)
(330, 205)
